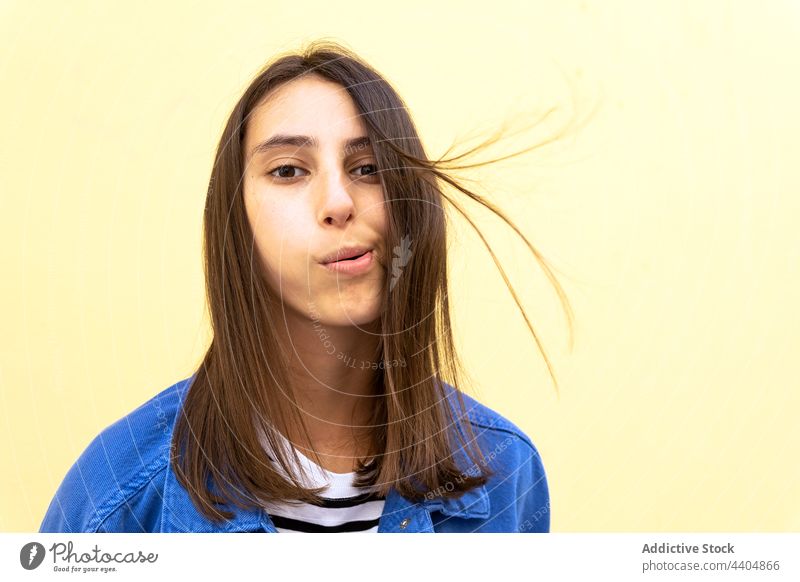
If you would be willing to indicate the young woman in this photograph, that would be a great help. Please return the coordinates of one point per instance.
(328, 400)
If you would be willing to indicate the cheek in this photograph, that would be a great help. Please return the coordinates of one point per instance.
(376, 215)
(378, 221)
(279, 237)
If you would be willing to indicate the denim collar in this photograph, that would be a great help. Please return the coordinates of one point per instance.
(400, 515)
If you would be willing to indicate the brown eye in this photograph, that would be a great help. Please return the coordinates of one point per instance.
(372, 171)
(285, 172)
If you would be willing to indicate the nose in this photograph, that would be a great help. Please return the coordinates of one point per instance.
(336, 207)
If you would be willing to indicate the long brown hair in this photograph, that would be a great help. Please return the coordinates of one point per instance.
(234, 399)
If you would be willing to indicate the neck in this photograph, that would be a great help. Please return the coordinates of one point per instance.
(333, 380)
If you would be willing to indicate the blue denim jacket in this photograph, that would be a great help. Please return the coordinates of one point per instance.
(124, 482)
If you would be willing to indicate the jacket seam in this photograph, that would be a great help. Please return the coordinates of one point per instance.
(517, 434)
(478, 418)
(150, 475)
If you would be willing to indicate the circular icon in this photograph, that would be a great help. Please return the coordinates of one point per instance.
(31, 555)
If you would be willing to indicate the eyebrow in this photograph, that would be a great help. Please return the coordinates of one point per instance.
(303, 141)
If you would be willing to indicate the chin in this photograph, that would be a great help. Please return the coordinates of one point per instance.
(338, 313)
(349, 317)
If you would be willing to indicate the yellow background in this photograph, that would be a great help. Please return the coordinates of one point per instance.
(671, 216)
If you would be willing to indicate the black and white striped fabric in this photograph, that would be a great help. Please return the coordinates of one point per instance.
(346, 508)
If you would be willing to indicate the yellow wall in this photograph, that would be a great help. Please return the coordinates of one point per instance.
(670, 216)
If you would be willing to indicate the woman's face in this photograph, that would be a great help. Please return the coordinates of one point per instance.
(310, 189)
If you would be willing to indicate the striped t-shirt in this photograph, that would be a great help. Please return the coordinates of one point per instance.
(345, 509)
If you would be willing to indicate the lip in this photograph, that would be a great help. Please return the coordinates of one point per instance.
(346, 252)
(352, 266)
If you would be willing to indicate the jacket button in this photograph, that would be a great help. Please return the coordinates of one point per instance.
(404, 523)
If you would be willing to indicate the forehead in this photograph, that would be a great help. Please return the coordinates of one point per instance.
(306, 106)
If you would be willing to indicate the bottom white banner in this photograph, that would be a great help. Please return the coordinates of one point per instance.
(554, 556)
